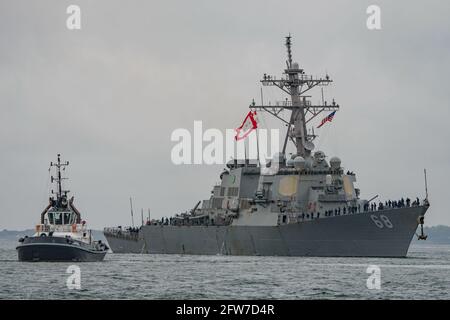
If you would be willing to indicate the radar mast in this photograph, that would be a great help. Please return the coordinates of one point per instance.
(59, 177)
(296, 84)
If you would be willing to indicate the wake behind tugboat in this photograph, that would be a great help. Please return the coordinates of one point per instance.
(300, 205)
(61, 234)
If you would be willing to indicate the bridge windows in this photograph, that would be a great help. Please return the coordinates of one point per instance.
(61, 218)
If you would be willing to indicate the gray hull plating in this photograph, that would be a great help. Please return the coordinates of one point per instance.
(386, 233)
(121, 244)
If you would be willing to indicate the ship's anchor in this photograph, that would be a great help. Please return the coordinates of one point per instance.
(422, 236)
(421, 219)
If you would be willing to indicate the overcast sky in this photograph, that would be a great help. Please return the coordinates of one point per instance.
(108, 96)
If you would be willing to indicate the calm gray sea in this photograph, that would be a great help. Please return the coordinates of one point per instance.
(425, 274)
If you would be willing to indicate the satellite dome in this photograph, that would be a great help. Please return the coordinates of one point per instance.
(295, 65)
(319, 155)
(299, 162)
(335, 163)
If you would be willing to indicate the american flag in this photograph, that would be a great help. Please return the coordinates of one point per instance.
(326, 119)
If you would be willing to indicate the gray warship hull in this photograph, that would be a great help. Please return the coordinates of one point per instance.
(353, 235)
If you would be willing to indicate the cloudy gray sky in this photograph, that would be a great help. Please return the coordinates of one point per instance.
(109, 95)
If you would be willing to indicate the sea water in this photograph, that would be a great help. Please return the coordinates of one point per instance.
(424, 274)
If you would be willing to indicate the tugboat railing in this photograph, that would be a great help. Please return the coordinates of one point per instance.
(119, 233)
(74, 228)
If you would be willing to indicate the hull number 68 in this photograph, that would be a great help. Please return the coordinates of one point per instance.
(381, 221)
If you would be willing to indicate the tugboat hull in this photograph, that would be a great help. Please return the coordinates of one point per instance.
(54, 249)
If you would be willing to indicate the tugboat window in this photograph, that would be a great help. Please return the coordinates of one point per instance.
(50, 218)
(67, 218)
(57, 217)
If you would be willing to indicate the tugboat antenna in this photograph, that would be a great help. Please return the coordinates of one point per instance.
(59, 176)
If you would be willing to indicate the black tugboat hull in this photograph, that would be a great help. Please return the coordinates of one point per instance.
(48, 249)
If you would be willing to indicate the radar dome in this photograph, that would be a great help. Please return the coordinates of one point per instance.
(319, 155)
(295, 65)
(335, 163)
(299, 162)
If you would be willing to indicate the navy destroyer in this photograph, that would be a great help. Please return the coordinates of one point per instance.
(61, 234)
(308, 206)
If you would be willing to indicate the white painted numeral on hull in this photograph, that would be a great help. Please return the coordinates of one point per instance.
(385, 222)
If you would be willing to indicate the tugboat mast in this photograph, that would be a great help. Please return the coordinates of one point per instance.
(296, 83)
(59, 178)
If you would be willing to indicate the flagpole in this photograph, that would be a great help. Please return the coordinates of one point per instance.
(131, 209)
(257, 135)
(257, 147)
(245, 152)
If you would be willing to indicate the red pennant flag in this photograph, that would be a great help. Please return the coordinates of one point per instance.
(250, 123)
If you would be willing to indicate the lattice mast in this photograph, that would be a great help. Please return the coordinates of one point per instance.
(59, 177)
(296, 83)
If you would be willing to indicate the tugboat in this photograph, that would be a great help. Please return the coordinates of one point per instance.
(61, 234)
